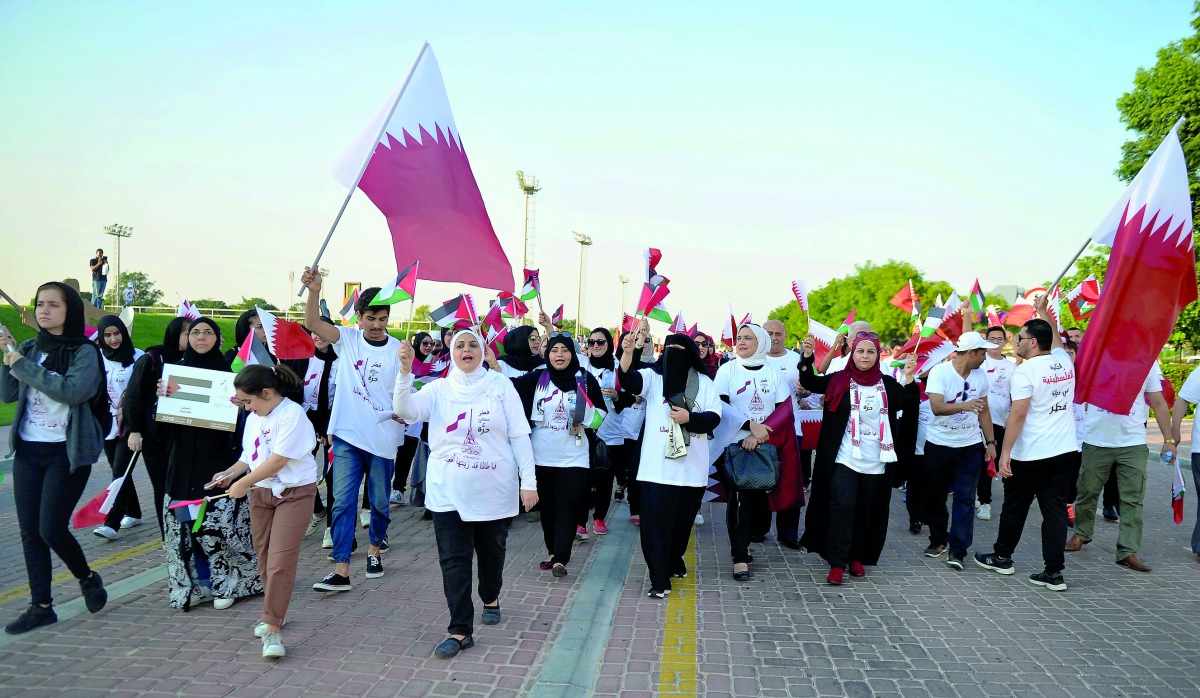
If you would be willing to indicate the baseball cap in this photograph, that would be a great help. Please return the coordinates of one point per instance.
(972, 340)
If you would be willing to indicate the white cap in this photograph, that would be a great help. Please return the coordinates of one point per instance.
(972, 340)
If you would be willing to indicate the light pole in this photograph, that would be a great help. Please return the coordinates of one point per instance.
(119, 232)
(530, 187)
(624, 283)
(584, 241)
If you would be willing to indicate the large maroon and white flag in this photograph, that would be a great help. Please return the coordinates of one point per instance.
(418, 175)
(1151, 277)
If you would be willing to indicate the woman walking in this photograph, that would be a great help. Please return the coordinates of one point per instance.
(862, 437)
(217, 562)
(633, 418)
(608, 448)
(480, 463)
(119, 357)
(53, 379)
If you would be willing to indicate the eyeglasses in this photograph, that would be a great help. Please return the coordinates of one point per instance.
(597, 342)
(202, 333)
(996, 340)
(1021, 339)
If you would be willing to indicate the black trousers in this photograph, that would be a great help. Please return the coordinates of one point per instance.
(742, 511)
(598, 498)
(404, 459)
(1046, 480)
(560, 494)
(914, 490)
(857, 510)
(984, 491)
(458, 543)
(633, 488)
(154, 457)
(126, 503)
(46, 492)
(670, 512)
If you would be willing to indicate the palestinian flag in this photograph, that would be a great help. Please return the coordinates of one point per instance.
(511, 307)
(426, 372)
(800, 291)
(251, 352)
(349, 317)
(845, 326)
(932, 322)
(1177, 490)
(401, 288)
(454, 310)
(532, 287)
(977, 300)
(650, 303)
(191, 511)
(592, 417)
(557, 318)
(286, 339)
(693, 331)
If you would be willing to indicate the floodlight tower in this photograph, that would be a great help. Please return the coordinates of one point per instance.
(584, 241)
(530, 187)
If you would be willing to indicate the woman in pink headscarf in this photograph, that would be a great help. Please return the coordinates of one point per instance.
(869, 424)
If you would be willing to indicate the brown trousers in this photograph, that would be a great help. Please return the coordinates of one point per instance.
(277, 526)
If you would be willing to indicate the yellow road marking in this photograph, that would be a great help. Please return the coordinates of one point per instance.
(99, 564)
(678, 673)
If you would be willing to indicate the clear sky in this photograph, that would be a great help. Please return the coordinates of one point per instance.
(753, 145)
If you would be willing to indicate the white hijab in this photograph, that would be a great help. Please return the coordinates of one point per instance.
(758, 358)
(470, 386)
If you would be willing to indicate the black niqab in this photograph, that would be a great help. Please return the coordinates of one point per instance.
(675, 363)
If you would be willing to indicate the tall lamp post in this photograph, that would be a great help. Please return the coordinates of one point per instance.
(119, 232)
(624, 283)
(584, 241)
(530, 187)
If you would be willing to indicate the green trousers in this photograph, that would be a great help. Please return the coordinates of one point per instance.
(1131, 486)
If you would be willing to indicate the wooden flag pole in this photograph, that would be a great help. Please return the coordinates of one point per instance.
(366, 160)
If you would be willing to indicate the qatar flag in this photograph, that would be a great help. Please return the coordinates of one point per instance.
(1151, 277)
(416, 172)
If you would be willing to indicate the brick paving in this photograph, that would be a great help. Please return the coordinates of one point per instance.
(912, 627)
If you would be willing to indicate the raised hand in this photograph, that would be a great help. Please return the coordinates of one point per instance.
(311, 277)
(406, 355)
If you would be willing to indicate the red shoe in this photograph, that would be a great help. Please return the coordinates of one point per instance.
(600, 527)
(856, 570)
(635, 520)
(1071, 514)
(835, 576)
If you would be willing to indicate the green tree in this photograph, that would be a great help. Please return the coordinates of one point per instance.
(251, 303)
(210, 303)
(144, 292)
(1160, 95)
(869, 291)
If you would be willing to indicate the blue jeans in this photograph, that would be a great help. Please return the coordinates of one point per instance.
(98, 292)
(956, 470)
(350, 465)
(1196, 481)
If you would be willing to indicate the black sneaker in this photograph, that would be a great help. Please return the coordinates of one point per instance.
(658, 593)
(995, 563)
(1110, 514)
(34, 617)
(94, 594)
(1051, 580)
(935, 551)
(619, 494)
(333, 582)
(384, 546)
(915, 528)
(374, 567)
(955, 561)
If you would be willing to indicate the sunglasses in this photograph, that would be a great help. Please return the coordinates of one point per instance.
(560, 334)
(703, 343)
(428, 343)
(866, 335)
(597, 342)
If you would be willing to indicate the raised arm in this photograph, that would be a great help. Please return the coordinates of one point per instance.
(312, 307)
(1043, 311)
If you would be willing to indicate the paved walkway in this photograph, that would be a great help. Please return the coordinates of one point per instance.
(911, 628)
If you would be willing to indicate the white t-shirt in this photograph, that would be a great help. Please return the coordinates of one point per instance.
(870, 414)
(612, 430)
(1105, 429)
(754, 393)
(366, 376)
(471, 466)
(632, 419)
(837, 364)
(690, 470)
(553, 444)
(999, 374)
(1048, 381)
(116, 378)
(788, 366)
(44, 419)
(287, 432)
(1191, 393)
(312, 382)
(962, 428)
(510, 372)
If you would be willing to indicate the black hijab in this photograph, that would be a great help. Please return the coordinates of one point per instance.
(122, 354)
(60, 348)
(563, 379)
(329, 355)
(169, 349)
(674, 364)
(516, 349)
(211, 359)
(421, 337)
(605, 360)
(242, 329)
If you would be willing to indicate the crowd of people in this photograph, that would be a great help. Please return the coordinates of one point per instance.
(559, 428)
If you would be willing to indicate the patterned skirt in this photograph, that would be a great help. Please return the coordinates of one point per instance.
(224, 540)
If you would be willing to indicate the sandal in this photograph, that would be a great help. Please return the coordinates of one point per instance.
(451, 646)
(742, 575)
(491, 614)
(560, 570)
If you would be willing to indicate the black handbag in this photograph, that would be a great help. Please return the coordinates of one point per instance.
(752, 471)
(599, 456)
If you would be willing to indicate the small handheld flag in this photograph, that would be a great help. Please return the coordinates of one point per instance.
(557, 318)
(1177, 490)
(286, 339)
(800, 291)
(532, 286)
(977, 299)
(402, 288)
(347, 312)
(251, 352)
(188, 310)
(845, 326)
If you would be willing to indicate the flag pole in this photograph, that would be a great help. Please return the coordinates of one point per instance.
(1070, 264)
(412, 309)
(366, 161)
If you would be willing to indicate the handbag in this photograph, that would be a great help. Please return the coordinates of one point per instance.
(752, 471)
(599, 456)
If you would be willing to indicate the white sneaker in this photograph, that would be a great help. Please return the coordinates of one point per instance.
(984, 513)
(130, 522)
(397, 498)
(204, 596)
(314, 524)
(106, 532)
(222, 604)
(327, 541)
(261, 629)
(273, 645)
(699, 519)
(364, 518)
